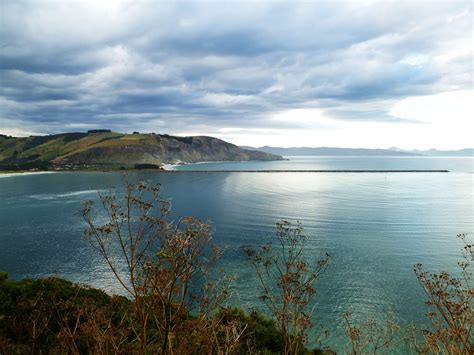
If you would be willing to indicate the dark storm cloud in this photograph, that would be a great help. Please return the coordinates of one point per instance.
(199, 66)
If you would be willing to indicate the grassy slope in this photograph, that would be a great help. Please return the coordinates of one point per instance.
(47, 148)
(120, 149)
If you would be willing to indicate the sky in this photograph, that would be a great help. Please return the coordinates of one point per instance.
(368, 74)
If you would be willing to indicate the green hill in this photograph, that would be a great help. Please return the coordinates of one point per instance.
(98, 149)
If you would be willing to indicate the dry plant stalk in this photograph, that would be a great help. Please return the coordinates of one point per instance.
(287, 282)
(369, 337)
(39, 317)
(166, 265)
(450, 300)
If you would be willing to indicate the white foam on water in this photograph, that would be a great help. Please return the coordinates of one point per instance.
(64, 195)
(5, 175)
(169, 166)
(78, 193)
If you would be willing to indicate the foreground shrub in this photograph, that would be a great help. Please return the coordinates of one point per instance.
(451, 307)
(287, 282)
(166, 268)
(56, 316)
(258, 332)
(370, 336)
(39, 316)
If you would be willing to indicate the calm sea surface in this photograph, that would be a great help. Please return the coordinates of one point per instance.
(375, 226)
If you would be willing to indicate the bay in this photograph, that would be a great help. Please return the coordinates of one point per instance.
(375, 226)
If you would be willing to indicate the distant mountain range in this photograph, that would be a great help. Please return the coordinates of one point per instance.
(466, 152)
(328, 151)
(106, 149)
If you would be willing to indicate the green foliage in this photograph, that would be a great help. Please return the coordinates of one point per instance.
(36, 314)
(3, 276)
(260, 332)
(35, 165)
(52, 306)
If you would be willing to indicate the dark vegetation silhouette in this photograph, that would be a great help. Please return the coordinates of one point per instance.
(175, 299)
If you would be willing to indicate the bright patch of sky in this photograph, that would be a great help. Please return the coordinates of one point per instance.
(369, 74)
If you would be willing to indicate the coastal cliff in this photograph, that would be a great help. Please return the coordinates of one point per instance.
(103, 148)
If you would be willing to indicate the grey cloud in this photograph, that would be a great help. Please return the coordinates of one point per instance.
(368, 116)
(176, 66)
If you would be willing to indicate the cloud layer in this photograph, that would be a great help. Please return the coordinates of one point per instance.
(212, 68)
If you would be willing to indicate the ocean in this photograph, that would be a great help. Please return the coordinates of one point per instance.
(375, 226)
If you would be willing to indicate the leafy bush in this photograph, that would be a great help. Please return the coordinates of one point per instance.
(45, 314)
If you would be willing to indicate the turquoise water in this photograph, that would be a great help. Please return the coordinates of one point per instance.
(375, 226)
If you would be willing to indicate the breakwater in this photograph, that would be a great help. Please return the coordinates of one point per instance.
(302, 171)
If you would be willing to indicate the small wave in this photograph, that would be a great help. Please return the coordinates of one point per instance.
(5, 175)
(64, 195)
(77, 193)
(179, 163)
(169, 166)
